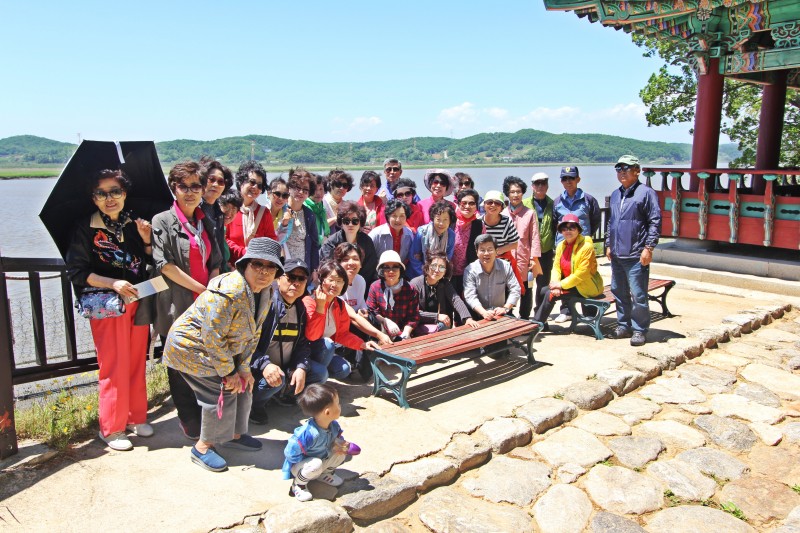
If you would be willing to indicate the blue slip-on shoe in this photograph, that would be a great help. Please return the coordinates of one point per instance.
(246, 443)
(210, 460)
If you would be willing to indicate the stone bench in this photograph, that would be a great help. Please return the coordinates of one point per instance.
(409, 354)
(601, 304)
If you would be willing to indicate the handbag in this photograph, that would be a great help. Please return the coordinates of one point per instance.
(95, 303)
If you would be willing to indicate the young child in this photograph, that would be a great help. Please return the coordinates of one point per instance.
(316, 448)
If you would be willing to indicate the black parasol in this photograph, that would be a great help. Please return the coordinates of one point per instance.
(70, 200)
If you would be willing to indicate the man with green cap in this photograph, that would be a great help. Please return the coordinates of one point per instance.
(633, 230)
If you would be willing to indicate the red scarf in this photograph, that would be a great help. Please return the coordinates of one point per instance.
(462, 221)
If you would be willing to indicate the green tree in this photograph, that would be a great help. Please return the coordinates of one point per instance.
(670, 96)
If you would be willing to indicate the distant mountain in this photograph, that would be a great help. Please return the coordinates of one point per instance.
(524, 146)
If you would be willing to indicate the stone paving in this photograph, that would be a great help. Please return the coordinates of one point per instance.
(699, 435)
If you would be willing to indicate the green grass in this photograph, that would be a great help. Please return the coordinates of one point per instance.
(796, 488)
(732, 508)
(67, 415)
(27, 173)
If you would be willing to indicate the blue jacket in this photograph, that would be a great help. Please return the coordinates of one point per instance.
(304, 443)
(301, 351)
(584, 206)
(634, 224)
(419, 248)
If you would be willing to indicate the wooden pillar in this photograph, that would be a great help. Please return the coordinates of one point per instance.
(770, 128)
(707, 120)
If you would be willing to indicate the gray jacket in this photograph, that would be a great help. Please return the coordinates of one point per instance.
(171, 245)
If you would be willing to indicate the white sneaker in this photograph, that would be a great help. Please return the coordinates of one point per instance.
(562, 318)
(329, 478)
(117, 441)
(140, 430)
(301, 492)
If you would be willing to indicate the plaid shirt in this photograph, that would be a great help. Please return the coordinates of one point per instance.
(406, 304)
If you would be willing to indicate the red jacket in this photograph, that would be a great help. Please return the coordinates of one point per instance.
(235, 236)
(315, 325)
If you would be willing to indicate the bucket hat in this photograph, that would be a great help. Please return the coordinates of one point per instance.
(429, 174)
(570, 218)
(390, 256)
(262, 248)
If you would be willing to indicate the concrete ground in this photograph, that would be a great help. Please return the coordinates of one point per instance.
(156, 486)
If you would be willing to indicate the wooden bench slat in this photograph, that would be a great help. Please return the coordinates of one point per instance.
(439, 342)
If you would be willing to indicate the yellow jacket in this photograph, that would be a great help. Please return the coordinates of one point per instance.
(584, 275)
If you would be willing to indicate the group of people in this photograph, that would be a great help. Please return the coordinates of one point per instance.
(265, 300)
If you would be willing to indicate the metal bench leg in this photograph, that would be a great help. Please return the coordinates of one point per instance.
(398, 387)
(531, 338)
(662, 299)
(592, 321)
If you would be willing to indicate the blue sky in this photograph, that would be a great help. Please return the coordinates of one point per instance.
(322, 71)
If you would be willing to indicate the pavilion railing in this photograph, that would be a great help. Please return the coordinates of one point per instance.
(746, 206)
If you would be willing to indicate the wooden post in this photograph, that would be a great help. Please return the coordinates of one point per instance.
(770, 128)
(707, 120)
(8, 432)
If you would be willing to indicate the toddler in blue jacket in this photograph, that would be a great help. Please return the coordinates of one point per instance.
(316, 448)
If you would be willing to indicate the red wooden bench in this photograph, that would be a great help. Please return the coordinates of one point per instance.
(407, 355)
(601, 304)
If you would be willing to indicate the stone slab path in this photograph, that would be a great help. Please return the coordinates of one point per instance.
(710, 444)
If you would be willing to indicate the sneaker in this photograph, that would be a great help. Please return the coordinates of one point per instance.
(246, 443)
(259, 416)
(190, 430)
(621, 332)
(560, 319)
(140, 430)
(638, 338)
(116, 441)
(329, 478)
(301, 492)
(210, 460)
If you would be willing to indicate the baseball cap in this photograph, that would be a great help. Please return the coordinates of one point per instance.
(539, 176)
(628, 160)
(291, 264)
(569, 172)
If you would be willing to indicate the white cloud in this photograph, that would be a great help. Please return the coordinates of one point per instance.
(461, 114)
(358, 125)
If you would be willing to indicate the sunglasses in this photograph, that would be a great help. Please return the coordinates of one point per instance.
(262, 267)
(488, 203)
(468, 204)
(116, 194)
(568, 227)
(194, 187)
(293, 278)
(302, 190)
(349, 221)
(623, 168)
(437, 181)
(406, 194)
(341, 185)
(284, 195)
(391, 267)
(568, 178)
(392, 169)
(216, 181)
(255, 183)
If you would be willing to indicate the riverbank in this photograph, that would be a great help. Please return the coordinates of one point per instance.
(448, 408)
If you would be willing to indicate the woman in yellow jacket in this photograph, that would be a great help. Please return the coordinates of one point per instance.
(574, 269)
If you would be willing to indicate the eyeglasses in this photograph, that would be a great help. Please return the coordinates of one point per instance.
(568, 227)
(296, 278)
(468, 204)
(391, 268)
(116, 194)
(439, 268)
(623, 168)
(216, 181)
(262, 267)
(349, 221)
(489, 203)
(255, 183)
(194, 187)
(392, 169)
(284, 195)
(568, 178)
(302, 190)
(341, 185)
(406, 194)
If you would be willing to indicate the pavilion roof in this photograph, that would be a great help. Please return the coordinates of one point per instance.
(751, 37)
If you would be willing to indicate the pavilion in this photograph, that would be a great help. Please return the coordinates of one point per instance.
(754, 41)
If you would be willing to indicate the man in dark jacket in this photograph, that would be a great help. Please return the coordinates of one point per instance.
(633, 231)
(281, 363)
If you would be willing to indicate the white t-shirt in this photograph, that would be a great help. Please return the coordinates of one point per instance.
(354, 295)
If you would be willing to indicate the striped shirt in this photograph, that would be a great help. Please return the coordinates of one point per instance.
(504, 232)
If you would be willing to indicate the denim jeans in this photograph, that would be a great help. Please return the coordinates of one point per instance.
(629, 280)
(262, 391)
(322, 351)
